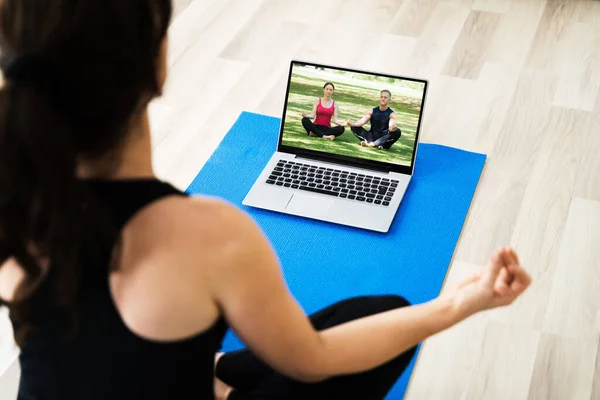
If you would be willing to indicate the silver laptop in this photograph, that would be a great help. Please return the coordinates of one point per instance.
(347, 146)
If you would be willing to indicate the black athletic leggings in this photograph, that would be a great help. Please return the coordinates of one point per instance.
(321, 130)
(384, 139)
(252, 379)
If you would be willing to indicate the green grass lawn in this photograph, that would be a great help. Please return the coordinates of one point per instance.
(353, 102)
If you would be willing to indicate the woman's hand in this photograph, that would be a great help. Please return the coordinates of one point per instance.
(303, 115)
(345, 124)
(497, 285)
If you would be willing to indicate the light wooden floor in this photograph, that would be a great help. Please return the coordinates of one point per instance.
(518, 80)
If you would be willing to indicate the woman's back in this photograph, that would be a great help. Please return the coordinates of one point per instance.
(103, 358)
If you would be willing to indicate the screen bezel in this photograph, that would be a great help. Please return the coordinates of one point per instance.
(340, 159)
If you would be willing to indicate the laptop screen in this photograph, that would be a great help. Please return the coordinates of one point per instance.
(347, 113)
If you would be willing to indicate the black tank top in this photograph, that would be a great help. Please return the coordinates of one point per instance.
(104, 360)
(380, 120)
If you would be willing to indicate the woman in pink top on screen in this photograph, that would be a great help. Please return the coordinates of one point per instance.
(323, 111)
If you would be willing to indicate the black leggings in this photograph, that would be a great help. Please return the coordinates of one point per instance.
(321, 130)
(253, 379)
(384, 139)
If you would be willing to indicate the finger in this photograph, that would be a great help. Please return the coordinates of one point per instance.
(496, 264)
(514, 257)
(521, 282)
(502, 288)
(505, 277)
(519, 273)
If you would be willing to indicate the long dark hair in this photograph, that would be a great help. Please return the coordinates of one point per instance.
(76, 72)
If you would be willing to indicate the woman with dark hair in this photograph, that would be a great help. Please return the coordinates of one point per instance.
(323, 112)
(120, 286)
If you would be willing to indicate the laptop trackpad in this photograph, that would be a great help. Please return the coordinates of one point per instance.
(309, 206)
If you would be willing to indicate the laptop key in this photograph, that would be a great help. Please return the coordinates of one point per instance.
(321, 186)
(379, 197)
(294, 186)
(344, 190)
(295, 181)
(369, 200)
(286, 175)
(353, 192)
(270, 181)
(278, 169)
(384, 183)
(277, 173)
(287, 185)
(351, 196)
(337, 189)
(382, 190)
(360, 198)
(279, 183)
(309, 189)
(343, 195)
(387, 198)
(391, 190)
(288, 180)
(312, 185)
(370, 195)
(386, 203)
(361, 193)
(377, 202)
(328, 187)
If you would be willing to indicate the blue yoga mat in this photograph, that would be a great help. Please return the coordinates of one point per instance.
(324, 263)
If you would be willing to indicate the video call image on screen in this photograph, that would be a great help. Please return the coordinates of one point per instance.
(352, 114)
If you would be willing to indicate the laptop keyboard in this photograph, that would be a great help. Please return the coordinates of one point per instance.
(333, 182)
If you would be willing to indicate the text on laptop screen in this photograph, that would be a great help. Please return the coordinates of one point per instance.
(352, 114)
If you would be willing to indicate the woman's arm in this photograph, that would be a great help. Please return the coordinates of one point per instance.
(313, 113)
(335, 117)
(210, 259)
(256, 302)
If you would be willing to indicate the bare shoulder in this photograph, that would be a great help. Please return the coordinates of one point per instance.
(175, 250)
